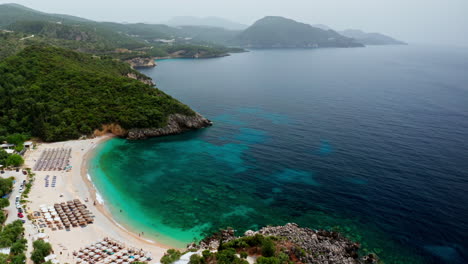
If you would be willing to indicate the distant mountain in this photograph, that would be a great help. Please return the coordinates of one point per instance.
(370, 38)
(280, 32)
(206, 21)
(11, 13)
(322, 26)
(215, 35)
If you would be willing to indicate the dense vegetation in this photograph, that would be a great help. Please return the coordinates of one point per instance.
(267, 249)
(56, 94)
(41, 250)
(279, 32)
(12, 236)
(26, 27)
(97, 38)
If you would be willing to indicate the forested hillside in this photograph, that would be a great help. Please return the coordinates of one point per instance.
(57, 94)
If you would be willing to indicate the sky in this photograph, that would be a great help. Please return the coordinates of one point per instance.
(413, 21)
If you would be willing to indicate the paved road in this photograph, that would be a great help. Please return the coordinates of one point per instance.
(30, 230)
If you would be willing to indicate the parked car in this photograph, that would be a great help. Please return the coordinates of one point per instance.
(20, 215)
(20, 189)
(17, 198)
(18, 205)
(25, 172)
(20, 210)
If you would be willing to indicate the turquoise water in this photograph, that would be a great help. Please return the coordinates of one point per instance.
(370, 142)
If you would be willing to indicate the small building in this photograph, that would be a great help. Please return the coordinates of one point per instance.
(28, 144)
(7, 146)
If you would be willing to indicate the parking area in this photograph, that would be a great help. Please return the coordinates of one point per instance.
(13, 209)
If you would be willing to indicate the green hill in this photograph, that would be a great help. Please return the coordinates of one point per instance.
(122, 41)
(11, 13)
(57, 94)
(279, 32)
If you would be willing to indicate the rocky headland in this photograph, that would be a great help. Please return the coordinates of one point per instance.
(176, 124)
(302, 245)
(142, 62)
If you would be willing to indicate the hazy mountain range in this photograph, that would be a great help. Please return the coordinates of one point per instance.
(205, 21)
(92, 36)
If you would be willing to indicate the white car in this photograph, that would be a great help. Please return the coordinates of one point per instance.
(20, 190)
(18, 205)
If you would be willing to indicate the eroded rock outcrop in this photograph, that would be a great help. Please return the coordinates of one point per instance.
(142, 62)
(147, 81)
(176, 124)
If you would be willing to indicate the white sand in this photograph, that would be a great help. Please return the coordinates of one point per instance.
(73, 185)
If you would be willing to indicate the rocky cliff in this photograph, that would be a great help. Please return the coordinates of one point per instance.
(140, 62)
(303, 244)
(144, 80)
(176, 124)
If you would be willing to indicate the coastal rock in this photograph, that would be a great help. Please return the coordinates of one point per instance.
(176, 124)
(310, 246)
(143, 80)
(141, 62)
(319, 246)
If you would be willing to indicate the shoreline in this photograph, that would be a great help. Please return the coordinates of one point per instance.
(74, 184)
(100, 206)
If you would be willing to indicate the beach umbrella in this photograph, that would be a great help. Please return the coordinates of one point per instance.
(53, 213)
(96, 256)
(125, 257)
(119, 260)
(91, 253)
(41, 235)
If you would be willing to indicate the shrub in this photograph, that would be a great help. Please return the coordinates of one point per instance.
(195, 259)
(244, 255)
(171, 256)
(14, 160)
(41, 250)
(269, 260)
(268, 248)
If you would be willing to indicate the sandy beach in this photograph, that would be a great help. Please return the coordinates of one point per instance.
(76, 185)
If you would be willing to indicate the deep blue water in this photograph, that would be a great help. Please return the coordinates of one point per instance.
(372, 142)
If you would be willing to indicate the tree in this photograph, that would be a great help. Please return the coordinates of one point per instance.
(4, 203)
(16, 138)
(3, 157)
(14, 160)
(19, 247)
(6, 185)
(41, 250)
(268, 248)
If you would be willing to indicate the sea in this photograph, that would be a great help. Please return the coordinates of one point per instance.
(371, 142)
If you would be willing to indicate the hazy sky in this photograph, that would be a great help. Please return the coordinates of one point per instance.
(423, 21)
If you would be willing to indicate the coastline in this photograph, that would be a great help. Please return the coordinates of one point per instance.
(100, 204)
(76, 185)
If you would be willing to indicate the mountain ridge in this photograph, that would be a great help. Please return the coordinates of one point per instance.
(280, 32)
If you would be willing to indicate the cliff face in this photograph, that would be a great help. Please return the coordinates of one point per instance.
(145, 81)
(140, 62)
(176, 124)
